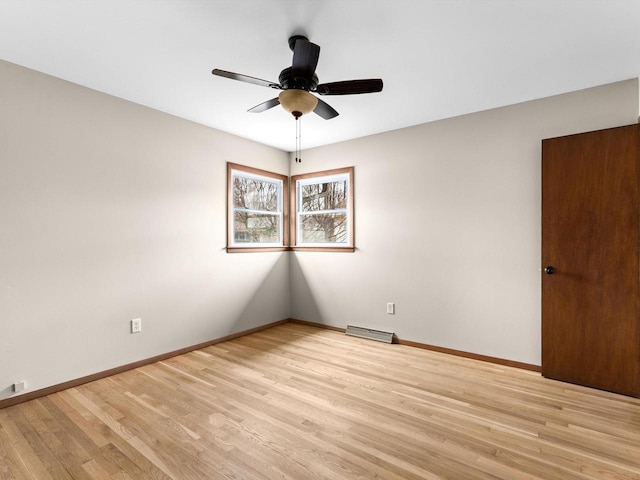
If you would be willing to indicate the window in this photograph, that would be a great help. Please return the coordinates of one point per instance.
(256, 217)
(323, 216)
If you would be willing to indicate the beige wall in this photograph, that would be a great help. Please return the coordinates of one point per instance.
(111, 211)
(448, 226)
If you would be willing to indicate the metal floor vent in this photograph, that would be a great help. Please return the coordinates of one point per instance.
(362, 332)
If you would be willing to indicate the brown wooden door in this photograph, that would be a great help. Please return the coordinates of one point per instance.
(590, 235)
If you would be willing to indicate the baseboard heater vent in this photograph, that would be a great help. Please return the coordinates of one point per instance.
(362, 332)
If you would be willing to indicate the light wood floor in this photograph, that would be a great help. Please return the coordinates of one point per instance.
(297, 402)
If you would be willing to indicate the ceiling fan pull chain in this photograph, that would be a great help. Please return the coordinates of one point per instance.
(299, 121)
(298, 140)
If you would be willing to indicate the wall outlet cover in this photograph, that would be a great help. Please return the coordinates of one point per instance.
(136, 325)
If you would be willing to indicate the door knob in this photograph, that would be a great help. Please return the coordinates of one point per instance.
(549, 270)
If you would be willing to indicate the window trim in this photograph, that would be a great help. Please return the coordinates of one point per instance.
(293, 191)
(231, 248)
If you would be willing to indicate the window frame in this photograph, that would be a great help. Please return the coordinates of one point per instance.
(284, 210)
(350, 211)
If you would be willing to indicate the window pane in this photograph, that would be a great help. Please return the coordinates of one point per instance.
(324, 228)
(256, 228)
(254, 194)
(324, 196)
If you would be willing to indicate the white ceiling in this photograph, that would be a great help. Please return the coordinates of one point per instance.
(438, 58)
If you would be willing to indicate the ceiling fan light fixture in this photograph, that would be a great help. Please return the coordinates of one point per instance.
(297, 102)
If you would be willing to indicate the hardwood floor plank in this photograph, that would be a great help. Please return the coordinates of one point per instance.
(297, 402)
(22, 457)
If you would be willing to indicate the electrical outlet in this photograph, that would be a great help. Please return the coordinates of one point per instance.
(19, 386)
(136, 325)
(391, 308)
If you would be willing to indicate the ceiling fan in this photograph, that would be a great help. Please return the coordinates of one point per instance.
(298, 80)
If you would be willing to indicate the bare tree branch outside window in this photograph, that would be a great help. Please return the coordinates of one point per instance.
(257, 214)
(323, 213)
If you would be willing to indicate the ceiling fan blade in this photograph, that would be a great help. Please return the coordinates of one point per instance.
(350, 87)
(305, 58)
(274, 102)
(325, 110)
(245, 78)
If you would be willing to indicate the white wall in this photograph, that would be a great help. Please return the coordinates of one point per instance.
(111, 211)
(448, 226)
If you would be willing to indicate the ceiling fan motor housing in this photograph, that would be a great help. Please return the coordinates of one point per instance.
(288, 80)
